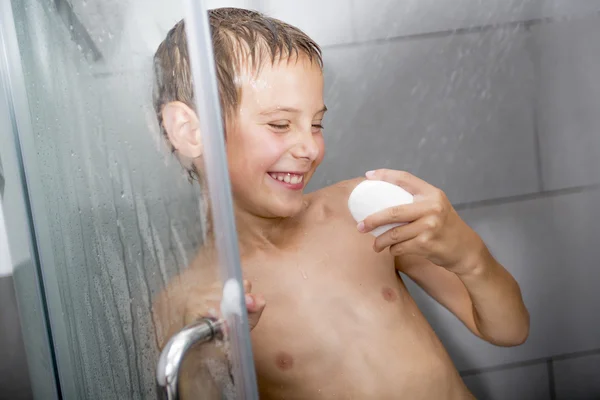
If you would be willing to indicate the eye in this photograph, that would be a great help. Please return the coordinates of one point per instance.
(280, 127)
(317, 127)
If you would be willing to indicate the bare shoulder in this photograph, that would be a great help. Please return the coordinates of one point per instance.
(337, 192)
(332, 201)
(345, 187)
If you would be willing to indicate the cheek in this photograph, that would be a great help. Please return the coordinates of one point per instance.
(254, 151)
(321, 145)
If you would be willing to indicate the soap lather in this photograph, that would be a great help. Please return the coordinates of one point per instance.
(369, 197)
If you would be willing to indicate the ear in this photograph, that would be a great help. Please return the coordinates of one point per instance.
(183, 130)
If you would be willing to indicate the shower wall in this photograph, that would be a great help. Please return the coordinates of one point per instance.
(497, 103)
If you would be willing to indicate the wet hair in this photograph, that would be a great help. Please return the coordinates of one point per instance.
(243, 41)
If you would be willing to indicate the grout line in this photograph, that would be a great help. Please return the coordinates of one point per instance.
(518, 364)
(577, 354)
(537, 147)
(503, 367)
(525, 24)
(430, 35)
(525, 197)
(551, 383)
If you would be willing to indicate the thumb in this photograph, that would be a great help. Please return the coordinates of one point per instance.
(255, 303)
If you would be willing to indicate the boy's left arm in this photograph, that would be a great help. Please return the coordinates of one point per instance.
(444, 256)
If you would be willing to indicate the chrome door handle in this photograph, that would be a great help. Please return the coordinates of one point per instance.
(169, 362)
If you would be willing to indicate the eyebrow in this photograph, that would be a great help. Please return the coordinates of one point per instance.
(289, 109)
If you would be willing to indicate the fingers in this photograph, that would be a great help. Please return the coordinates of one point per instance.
(399, 214)
(398, 235)
(256, 304)
(403, 179)
(411, 247)
(247, 286)
(207, 303)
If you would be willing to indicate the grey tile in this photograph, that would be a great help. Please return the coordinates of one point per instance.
(568, 92)
(551, 247)
(578, 378)
(523, 383)
(568, 8)
(14, 374)
(456, 111)
(379, 19)
(327, 22)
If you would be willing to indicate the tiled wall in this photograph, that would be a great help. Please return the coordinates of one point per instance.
(498, 103)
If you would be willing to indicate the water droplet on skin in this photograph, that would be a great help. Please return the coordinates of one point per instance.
(304, 274)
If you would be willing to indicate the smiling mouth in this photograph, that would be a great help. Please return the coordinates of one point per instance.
(287, 177)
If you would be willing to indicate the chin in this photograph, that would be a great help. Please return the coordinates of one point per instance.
(287, 209)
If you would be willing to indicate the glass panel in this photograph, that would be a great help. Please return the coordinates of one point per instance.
(20, 253)
(116, 218)
(212, 135)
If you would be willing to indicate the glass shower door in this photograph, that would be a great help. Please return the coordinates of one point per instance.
(114, 218)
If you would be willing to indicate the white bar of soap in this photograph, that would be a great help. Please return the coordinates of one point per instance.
(370, 197)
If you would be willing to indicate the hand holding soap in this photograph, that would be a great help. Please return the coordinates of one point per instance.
(370, 197)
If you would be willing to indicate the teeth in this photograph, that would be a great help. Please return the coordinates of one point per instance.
(287, 178)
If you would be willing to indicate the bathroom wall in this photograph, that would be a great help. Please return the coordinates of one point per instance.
(497, 103)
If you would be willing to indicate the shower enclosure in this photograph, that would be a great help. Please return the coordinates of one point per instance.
(105, 213)
(496, 102)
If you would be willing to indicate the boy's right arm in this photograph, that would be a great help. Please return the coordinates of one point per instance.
(194, 294)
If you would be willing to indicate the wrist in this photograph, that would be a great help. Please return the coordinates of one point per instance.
(475, 262)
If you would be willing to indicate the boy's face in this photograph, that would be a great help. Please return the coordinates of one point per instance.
(276, 143)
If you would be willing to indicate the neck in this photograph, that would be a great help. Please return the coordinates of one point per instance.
(260, 233)
(254, 232)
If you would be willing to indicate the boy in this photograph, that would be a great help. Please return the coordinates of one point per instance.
(340, 322)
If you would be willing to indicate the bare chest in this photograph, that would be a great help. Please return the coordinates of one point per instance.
(323, 299)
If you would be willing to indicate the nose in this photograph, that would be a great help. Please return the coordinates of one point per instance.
(306, 146)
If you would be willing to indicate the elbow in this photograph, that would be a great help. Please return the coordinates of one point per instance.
(516, 340)
(515, 337)
(524, 332)
(523, 329)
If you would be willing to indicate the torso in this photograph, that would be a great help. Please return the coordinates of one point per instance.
(339, 321)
